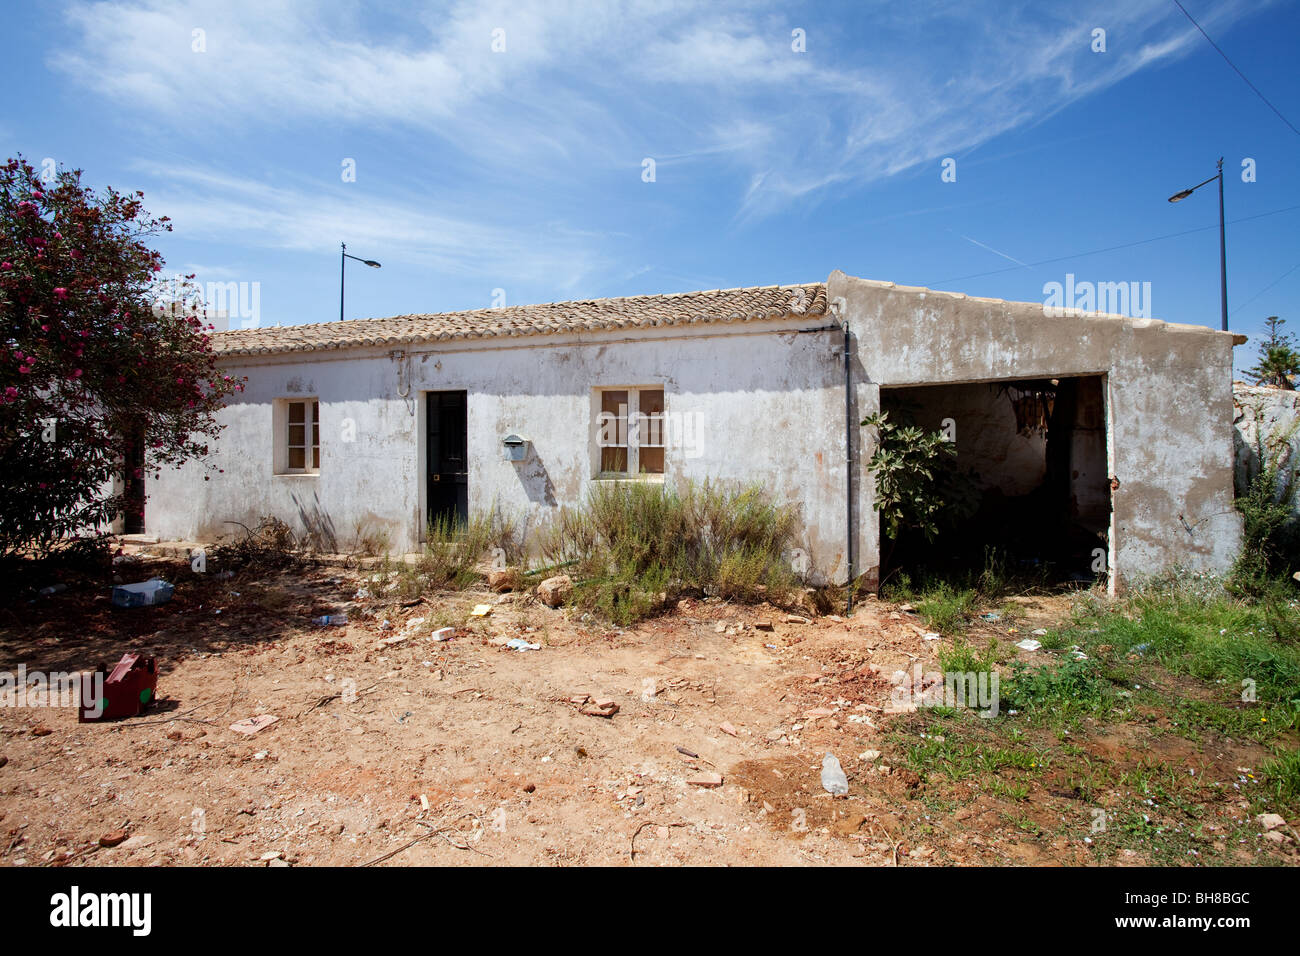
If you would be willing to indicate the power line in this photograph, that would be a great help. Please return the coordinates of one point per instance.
(1094, 252)
(1234, 66)
(1265, 289)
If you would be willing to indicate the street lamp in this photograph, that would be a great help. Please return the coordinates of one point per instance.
(344, 257)
(1223, 247)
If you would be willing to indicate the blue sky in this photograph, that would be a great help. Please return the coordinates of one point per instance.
(522, 170)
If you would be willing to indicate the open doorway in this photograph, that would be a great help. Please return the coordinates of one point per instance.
(447, 458)
(133, 481)
(1029, 485)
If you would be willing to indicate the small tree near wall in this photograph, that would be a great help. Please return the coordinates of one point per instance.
(86, 359)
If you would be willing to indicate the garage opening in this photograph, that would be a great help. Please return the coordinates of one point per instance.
(1028, 488)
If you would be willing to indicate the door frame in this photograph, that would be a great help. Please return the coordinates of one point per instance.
(422, 458)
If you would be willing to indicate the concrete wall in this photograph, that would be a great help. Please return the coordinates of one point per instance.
(1169, 404)
(764, 403)
(985, 434)
(769, 405)
(1266, 424)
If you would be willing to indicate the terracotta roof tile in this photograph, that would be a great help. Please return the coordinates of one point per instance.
(591, 315)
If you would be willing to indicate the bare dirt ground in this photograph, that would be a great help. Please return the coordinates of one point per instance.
(392, 748)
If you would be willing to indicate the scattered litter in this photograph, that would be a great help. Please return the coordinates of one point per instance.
(251, 725)
(519, 644)
(481, 610)
(991, 616)
(1140, 648)
(601, 707)
(834, 781)
(1039, 632)
(444, 634)
(143, 594)
(869, 756)
(330, 620)
(53, 589)
(225, 575)
(931, 635)
(688, 753)
(705, 779)
(127, 690)
(1029, 644)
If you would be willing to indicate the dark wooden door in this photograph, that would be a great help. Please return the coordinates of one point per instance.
(448, 463)
(133, 481)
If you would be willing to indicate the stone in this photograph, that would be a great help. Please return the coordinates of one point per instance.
(600, 707)
(727, 728)
(1270, 821)
(707, 778)
(764, 625)
(555, 591)
(113, 838)
(503, 580)
(1275, 836)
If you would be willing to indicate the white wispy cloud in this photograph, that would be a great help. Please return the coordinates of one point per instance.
(208, 204)
(586, 88)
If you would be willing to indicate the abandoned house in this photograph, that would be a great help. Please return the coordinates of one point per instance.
(1103, 439)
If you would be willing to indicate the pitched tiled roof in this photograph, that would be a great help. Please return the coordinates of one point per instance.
(591, 315)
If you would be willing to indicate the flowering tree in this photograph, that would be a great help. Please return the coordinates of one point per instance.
(88, 361)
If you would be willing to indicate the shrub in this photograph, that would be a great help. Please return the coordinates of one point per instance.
(634, 547)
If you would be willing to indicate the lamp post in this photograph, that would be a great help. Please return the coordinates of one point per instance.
(343, 261)
(1223, 246)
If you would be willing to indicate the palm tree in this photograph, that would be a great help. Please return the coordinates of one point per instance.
(1279, 362)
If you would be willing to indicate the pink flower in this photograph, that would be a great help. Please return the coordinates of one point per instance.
(6, 265)
(37, 194)
(76, 373)
(11, 393)
(61, 293)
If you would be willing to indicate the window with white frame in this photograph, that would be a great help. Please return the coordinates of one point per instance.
(630, 435)
(301, 437)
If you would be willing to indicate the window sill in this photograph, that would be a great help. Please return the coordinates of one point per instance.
(622, 478)
(297, 474)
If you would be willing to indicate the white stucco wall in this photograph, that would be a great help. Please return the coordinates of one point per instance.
(1169, 397)
(765, 402)
(770, 405)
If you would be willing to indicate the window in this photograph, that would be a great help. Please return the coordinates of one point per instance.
(630, 432)
(302, 437)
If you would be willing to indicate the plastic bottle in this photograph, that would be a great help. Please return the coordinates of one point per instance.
(833, 779)
(329, 620)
